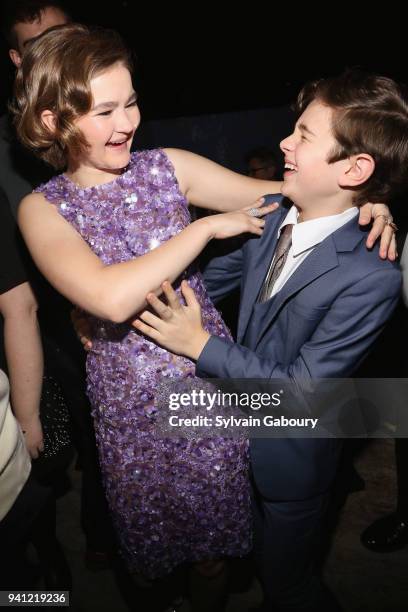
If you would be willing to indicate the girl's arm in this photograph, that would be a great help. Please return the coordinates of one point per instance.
(117, 291)
(209, 185)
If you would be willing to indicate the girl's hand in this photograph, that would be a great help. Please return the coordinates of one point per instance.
(383, 228)
(247, 220)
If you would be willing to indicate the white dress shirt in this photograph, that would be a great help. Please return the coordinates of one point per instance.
(305, 237)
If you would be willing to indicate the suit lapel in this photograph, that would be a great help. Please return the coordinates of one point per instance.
(259, 262)
(322, 259)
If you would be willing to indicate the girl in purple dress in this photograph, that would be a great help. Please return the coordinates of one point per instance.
(107, 231)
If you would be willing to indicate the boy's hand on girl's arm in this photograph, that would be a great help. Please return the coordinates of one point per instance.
(177, 326)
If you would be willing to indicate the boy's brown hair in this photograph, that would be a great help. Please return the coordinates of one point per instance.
(370, 115)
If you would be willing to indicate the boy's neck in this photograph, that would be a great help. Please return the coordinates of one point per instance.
(316, 210)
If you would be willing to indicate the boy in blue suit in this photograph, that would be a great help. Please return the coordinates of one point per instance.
(313, 300)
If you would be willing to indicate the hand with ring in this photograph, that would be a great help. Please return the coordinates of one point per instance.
(247, 220)
(383, 227)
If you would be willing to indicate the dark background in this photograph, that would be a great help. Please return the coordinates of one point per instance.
(207, 58)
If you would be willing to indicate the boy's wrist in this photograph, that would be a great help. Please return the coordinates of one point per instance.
(197, 344)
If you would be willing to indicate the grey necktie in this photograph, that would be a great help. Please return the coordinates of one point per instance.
(280, 256)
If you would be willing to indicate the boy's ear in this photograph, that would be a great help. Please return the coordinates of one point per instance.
(357, 171)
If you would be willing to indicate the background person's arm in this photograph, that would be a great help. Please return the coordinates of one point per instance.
(23, 349)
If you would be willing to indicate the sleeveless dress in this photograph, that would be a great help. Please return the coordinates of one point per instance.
(173, 500)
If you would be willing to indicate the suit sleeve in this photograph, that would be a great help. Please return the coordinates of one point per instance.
(223, 274)
(338, 345)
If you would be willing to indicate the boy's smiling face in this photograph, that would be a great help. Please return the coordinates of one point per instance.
(309, 179)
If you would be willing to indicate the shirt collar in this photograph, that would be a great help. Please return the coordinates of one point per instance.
(308, 234)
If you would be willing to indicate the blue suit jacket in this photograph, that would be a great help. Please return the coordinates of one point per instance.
(319, 325)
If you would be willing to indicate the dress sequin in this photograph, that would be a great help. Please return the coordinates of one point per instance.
(173, 500)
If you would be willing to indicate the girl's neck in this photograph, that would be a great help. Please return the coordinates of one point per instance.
(85, 176)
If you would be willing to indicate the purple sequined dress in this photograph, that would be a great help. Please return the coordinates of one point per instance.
(175, 499)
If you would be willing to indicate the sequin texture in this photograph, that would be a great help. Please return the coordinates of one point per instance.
(172, 500)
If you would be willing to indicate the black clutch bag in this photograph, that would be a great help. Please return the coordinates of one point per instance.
(57, 432)
(55, 418)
